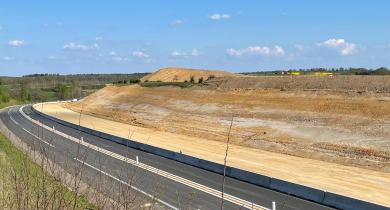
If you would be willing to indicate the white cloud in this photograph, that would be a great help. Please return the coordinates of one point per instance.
(140, 54)
(344, 47)
(194, 53)
(80, 47)
(98, 38)
(177, 22)
(217, 16)
(257, 50)
(279, 51)
(16, 43)
(178, 54)
(112, 53)
(7, 58)
(233, 52)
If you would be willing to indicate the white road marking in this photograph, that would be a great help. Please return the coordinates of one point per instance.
(10, 116)
(37, 137)
(127, 184)
(238, 201)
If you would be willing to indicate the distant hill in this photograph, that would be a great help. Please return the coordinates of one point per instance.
(184, 74)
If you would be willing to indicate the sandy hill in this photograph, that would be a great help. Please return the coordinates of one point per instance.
(183, 74)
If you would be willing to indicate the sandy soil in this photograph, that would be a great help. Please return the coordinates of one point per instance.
(184, 74)
(336, 127)
(356, 182)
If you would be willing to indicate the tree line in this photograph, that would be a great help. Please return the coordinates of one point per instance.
(50, 87)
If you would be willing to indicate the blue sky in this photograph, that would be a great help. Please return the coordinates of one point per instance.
(115, 36)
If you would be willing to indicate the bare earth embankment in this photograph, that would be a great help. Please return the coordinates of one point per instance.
(184, 74)
(337, 140)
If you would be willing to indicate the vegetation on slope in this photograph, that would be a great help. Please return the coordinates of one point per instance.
(25, 185)
(52, 87)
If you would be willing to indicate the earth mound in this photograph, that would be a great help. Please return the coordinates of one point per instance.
(184, 74)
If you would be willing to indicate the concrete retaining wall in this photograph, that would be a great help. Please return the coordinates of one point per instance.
(300, 191)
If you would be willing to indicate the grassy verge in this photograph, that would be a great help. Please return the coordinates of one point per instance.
(25, 185)
(12, 102)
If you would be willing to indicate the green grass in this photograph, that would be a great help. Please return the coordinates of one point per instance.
(12, 102)
(25, 185)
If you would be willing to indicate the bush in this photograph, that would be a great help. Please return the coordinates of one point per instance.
(192, 79)
(211, 77)
(200, 80)
(132, 81)
(4, 95)
(159, 84)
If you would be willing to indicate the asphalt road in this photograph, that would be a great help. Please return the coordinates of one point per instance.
(114, 170)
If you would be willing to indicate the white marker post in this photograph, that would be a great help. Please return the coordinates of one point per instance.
(54, 129)
(273, 205)
(136, 158)
(81, 139)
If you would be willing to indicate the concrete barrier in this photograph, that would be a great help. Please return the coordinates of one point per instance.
(296, 190)
(343, 202)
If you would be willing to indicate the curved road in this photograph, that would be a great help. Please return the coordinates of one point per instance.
(113, 167)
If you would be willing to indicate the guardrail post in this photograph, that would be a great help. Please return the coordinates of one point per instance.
(273, 205)
(136, 158)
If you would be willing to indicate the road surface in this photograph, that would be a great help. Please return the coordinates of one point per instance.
(113, 167)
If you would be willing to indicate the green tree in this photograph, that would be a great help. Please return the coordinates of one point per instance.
(4, 95)
(62, 91)
(24, 95)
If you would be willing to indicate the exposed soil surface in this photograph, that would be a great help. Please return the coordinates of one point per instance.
(331, 133)
(356, 182)
(184, 74)
(336, 127)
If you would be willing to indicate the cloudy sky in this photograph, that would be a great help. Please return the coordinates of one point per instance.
(125, 36)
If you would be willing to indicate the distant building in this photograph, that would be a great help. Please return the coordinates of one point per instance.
(323, 73)
(295, 73)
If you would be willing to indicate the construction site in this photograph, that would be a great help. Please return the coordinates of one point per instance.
(327, 132)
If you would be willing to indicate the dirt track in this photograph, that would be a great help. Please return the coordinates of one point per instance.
(356, 182)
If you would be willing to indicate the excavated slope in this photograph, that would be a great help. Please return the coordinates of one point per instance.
(184, 74)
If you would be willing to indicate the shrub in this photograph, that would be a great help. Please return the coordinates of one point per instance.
(211, 77)
(159, 84)
(200, 80)
(132, 81)
(192, 79)
(4, 96)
